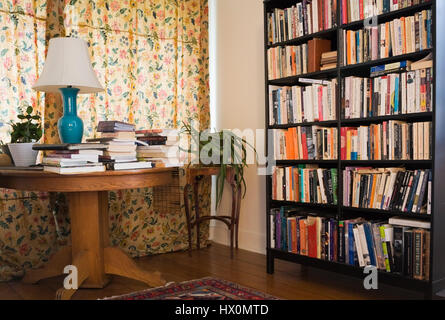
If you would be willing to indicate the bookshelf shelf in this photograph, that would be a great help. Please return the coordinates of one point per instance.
(328, 34)
(436, 281)
(320, 75)
(296, 162)
(385, 17)
(386, 213)
(385, 163)
(303, 204)
(423, 116)
(360, 67)
(331, 123)
(388, 278)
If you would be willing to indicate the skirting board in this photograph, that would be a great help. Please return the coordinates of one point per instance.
(250, 241)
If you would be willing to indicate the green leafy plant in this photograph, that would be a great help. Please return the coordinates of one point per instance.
(28, 129)
(237, 152)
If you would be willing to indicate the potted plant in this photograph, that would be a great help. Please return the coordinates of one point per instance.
(238, 148)
(25, 133)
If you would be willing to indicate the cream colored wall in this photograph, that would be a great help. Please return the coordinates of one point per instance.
(237, 68)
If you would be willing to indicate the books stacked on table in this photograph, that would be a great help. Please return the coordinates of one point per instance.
(120, 141)
(72, 158)
(161, 147)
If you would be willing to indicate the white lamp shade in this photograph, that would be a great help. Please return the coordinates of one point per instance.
(68, 64)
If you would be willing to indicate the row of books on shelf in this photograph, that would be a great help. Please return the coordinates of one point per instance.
(118, 147)
(392, 94)
(299, 104)
(388, 189)
(305, 184)
(289, 61)
(397, 37)
(306, 143)
(397, 245)
(393, 189)
(355, 10)
(305, 17)
(391, 140)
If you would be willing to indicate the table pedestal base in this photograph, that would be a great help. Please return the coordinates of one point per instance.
(90, 251)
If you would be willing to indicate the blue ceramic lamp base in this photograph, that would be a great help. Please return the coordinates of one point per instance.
(70, 125)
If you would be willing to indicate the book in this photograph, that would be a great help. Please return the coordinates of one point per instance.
(114, 126)
(128, 165)
(124, 135)
(63, 162)
(74, 170)
(68, 146)
(425, 63)
(400, 221)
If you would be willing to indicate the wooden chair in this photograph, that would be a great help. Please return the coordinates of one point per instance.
(195, 176)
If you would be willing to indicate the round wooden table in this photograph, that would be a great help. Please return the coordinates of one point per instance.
(90, 250)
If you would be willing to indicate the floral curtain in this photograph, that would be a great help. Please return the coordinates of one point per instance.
(152, 58)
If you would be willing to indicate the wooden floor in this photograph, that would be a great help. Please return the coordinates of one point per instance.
(290, 281)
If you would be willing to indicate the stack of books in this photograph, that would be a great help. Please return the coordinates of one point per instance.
(120, 141)
(328, 60)
(397, 245)
(161, 147)
(72, 158)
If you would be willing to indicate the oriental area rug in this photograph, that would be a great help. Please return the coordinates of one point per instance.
(200, 289)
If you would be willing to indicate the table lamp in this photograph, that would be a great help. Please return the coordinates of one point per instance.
(68, 69)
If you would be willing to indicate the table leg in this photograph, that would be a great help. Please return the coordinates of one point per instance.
(81, 261)
(119, 263)
(90, 251)
(104, 218)
(54, 267)
(87, 234)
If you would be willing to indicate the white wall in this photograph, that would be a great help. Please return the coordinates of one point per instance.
(237, 98)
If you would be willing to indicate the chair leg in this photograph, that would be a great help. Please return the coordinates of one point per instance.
(197, 220)
(188, 217)
(231, 239)
(238, 208)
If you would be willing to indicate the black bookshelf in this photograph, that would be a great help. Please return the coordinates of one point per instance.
(436, 283)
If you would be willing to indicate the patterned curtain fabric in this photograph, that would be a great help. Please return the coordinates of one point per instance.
(152, 58)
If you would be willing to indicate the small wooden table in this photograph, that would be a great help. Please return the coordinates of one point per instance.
(90, 250)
